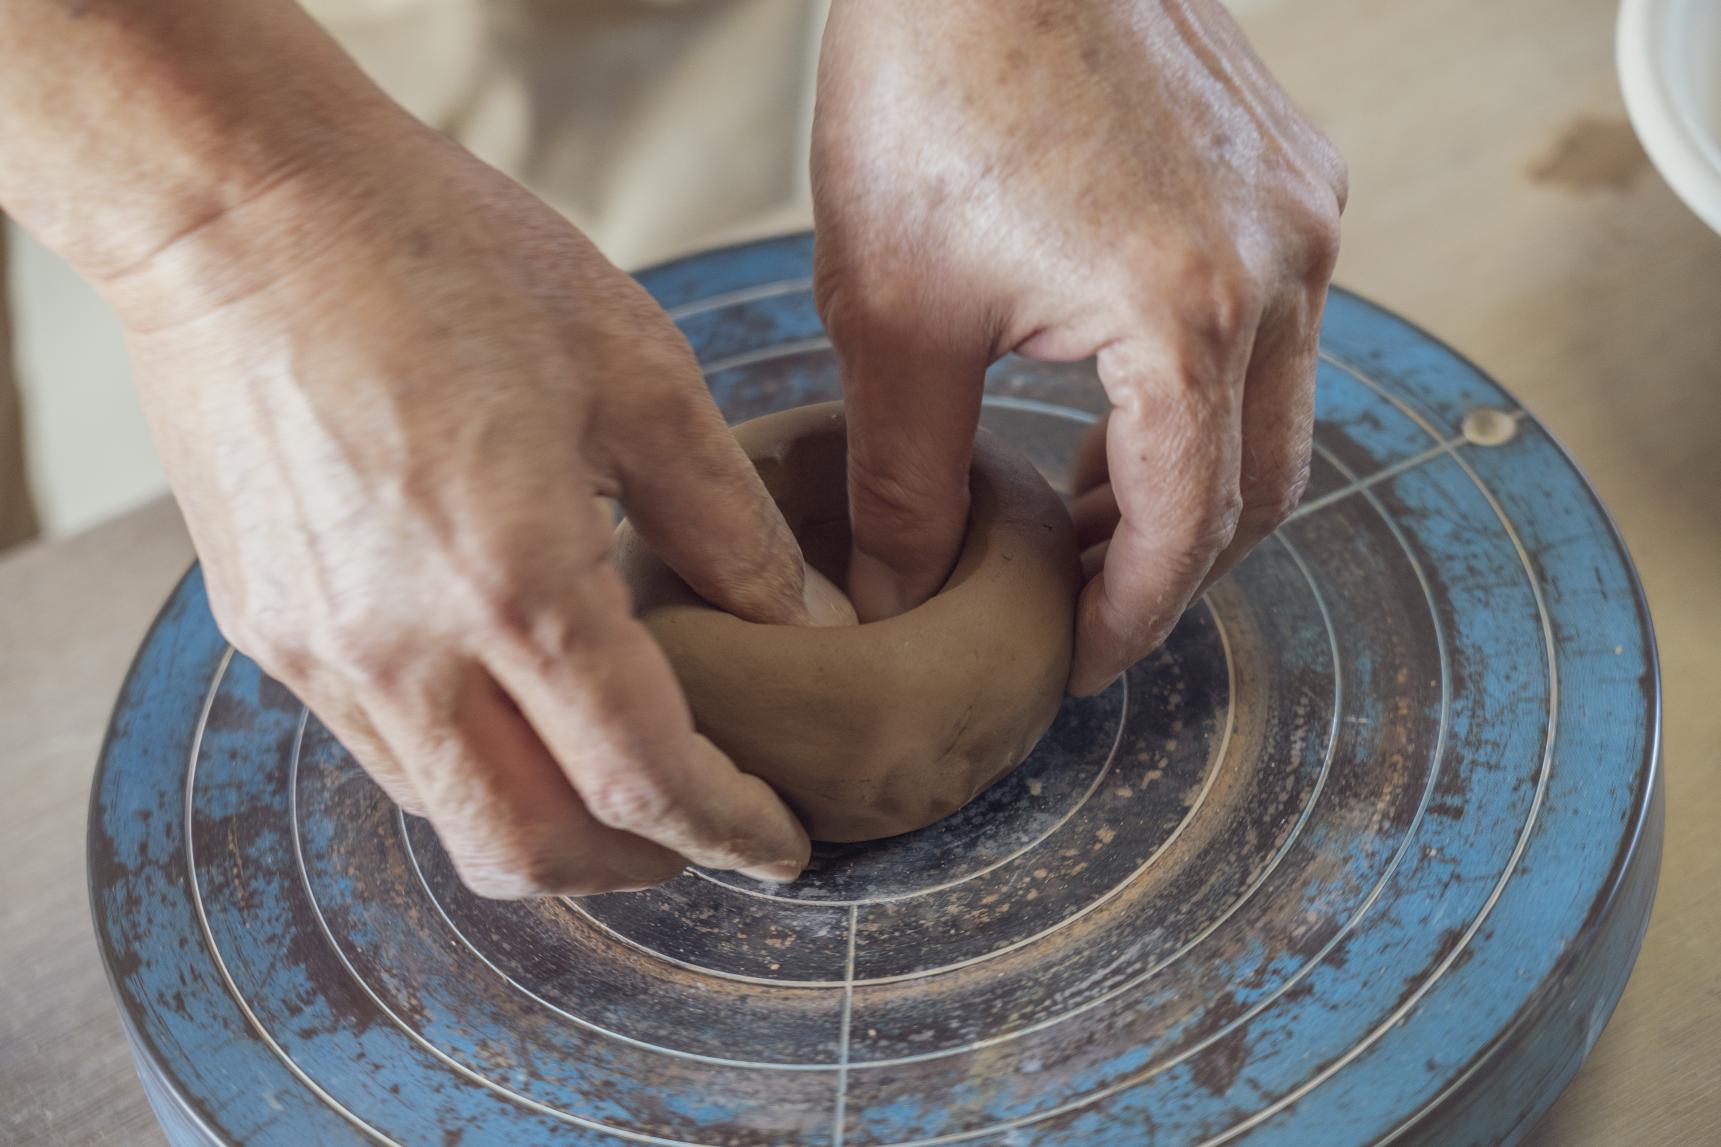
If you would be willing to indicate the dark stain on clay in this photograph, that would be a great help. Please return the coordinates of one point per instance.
(1591, 154)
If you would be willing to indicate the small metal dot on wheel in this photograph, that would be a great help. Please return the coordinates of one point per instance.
(1489, 426)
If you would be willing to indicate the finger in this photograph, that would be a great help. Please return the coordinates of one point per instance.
(913, 405)
(1278, 424)
(1094, 560)
(698, 502)
(1090, 468)
(507, 816)
(610, 710)
(1172, 448)
(1095, 514)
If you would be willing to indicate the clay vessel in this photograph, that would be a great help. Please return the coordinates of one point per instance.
(877, 729)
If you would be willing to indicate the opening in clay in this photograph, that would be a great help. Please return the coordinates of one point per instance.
(873, 730)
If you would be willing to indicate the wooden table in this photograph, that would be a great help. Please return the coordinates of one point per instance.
(1498, 197)
(71, 615)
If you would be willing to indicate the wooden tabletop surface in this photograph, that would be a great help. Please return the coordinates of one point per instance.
(1497, 197)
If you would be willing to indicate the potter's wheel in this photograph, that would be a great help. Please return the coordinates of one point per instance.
(1364, 854)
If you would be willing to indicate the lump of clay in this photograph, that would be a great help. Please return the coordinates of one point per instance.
(877, 729)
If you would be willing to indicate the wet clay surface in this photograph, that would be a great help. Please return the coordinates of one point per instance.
(874, 730)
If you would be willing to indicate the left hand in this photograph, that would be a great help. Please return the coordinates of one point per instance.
(391, 390)
(1065, 179)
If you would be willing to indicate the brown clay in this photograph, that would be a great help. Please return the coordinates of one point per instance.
(877, 729)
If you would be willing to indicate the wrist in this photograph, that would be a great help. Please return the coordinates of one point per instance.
(143, 122)
(282, 222)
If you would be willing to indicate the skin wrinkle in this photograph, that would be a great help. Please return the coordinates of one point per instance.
(310, 412)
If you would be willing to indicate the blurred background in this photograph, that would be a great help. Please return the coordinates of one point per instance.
(1500, 197)
(658, 126)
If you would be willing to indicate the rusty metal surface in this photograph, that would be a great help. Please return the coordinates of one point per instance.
(1364, 854)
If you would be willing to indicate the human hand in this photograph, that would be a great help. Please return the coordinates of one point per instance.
(1065, 179)
(390, 398)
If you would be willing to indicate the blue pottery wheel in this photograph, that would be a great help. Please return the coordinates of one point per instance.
(1363, 855)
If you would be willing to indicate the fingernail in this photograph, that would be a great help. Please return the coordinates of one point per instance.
(826, 604)
(782, 872)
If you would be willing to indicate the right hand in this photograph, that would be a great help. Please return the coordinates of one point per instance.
(1115, 179)
(390, 399)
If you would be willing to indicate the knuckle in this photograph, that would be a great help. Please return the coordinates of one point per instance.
(1218, 298)
(1323, 247)
(228, 620)
(1127, 629)
(1273, 499)
(1317, 206)
(549, 626)
(1337, 168)
(238, 632)
(629, 801)
(281, 656)
(1290, 494)
(661, 406)
(1215, 523)
(364, 657)
(1227, 512)
(1321, 243)
(520, 613)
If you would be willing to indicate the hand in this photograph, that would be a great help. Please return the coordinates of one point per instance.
(1110, 178)
(390, 399)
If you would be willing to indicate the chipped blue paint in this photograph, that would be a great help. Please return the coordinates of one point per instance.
(1370, 863)
(1350, 412)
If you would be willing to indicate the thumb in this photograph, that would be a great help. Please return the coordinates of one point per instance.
(912, 407)
(693, 495)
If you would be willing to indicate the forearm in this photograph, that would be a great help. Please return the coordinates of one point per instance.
(126, 124)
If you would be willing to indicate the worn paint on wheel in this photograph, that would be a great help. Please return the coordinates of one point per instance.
(1363, 854)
